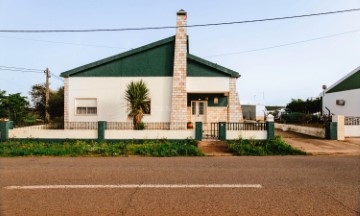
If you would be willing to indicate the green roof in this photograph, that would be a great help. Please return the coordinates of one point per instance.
(154, 59)
(349, 82)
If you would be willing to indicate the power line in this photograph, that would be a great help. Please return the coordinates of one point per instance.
(67, 43)
(20, 68)
(283, 45)
(172, 27)
(23, 71)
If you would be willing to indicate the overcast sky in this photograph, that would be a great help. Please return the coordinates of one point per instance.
(278, 74)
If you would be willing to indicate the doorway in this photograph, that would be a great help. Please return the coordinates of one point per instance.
(198, 111)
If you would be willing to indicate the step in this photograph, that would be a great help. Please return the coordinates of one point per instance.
(214, 148)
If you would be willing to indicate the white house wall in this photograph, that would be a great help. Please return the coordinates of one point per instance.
(110, 92)
(207, 84)
(352, 102)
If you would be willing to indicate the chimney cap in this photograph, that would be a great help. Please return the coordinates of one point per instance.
(181, 12)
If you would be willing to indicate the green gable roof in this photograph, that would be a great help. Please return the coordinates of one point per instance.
(198, 67)
(349, 82)
(154, 59)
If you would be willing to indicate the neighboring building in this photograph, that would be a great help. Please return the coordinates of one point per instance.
(183, 87)
(343, 97)
(253, 112)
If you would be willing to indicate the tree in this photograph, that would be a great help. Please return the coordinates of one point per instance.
(4, 113)
(38, 97)
(137, 94)
(56, 104)
(17, 107)
(309, 106)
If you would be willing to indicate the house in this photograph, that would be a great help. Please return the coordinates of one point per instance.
(343, 97)
(183, 87)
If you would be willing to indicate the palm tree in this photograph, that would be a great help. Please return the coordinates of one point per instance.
(137, 94)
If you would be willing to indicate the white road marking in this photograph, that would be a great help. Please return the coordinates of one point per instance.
(32, 187)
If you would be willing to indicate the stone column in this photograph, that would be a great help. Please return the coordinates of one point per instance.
(66, 102)
(179, 94)
(234, 107)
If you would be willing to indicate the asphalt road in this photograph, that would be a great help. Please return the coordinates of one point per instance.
(290, 185)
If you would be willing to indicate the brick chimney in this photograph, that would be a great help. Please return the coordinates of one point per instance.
(179, 94)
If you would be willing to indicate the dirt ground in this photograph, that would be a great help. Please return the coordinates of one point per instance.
(318, 146)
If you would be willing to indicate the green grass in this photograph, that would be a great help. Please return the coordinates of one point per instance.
(263, 147)
(160, 148)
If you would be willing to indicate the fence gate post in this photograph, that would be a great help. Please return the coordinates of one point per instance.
(198, 131)
(222, 131)
(270, 127)
(101, 130)
(4, 130)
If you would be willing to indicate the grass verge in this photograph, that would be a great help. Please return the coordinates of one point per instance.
(160, 148)
(263, 147)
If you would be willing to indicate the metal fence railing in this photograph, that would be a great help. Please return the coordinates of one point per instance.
(147, 125)
(236, 126)
(352, 120)
(58, 125)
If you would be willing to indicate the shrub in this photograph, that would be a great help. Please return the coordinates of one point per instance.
(159, 148)
(263, 147)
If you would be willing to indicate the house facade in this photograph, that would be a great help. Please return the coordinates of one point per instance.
(183, 87)
(343, 97)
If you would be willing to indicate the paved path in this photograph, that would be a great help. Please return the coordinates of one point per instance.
(289, 185)
(318, 146)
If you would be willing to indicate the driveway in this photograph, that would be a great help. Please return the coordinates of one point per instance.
(318, 146)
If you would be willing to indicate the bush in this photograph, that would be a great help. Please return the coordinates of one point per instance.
(294, 117)
(263, 147)
(159, 148)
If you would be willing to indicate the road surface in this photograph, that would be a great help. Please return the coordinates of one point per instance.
(288, 185)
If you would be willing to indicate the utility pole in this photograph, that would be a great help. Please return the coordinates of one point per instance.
(47, 96)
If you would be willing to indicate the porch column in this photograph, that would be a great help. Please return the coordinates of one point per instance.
(66, 102)
(234, 107)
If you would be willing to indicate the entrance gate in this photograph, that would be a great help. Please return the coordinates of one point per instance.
(210, 130)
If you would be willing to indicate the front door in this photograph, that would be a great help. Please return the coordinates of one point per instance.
(198, 111)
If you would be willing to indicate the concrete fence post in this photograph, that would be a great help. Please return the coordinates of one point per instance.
(340, 130)
(270, 127)
(198, 131)
(222, 131)
(4, 130)
(101, 130)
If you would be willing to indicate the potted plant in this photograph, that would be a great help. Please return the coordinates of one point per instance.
(190, 124)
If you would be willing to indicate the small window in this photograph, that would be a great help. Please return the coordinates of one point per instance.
(148, 112)
(216, 100)
(86, 106)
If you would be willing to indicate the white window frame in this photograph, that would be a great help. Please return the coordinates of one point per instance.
(87, 107)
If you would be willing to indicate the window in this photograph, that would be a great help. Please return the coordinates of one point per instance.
(148, 112)
(194, 108)
(86, 106)
(201, 108)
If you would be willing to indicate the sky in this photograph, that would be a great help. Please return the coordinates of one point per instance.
(272, 76)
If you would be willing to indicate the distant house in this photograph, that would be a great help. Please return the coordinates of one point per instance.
(343, 97)
(183, 87)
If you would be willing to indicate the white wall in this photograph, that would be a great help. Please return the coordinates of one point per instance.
(111, 105)
(352, 130)
(312, 131)
(53, 134)
(149, 134)
(207, 84)
(246, 134)
(352, 102)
